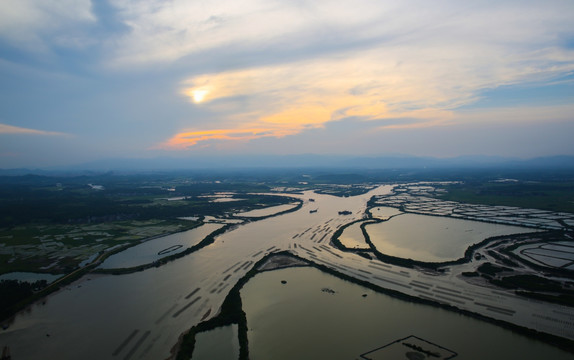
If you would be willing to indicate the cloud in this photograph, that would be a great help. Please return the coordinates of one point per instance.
(380, 83)
(256, 71)
(187, 139)
(36, 26)
(517, 115)
(366, 60)
(167, 31)
(15, 130)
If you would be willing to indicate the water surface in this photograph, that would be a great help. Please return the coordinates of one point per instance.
(221, 343)
(433, 238)
(141, 315)
(153, 250)
(384, 212)
(267, 211)
(318, 316)
(353, 238)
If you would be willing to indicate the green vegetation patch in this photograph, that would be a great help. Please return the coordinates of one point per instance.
(530, 283)
(470, 274)
(53, 224)
(342, 190)
(14, 292)
(552, 196)
(61, 248)
(563, 299)
(492, 270)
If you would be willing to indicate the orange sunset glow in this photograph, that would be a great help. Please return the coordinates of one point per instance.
(181, 78)
(186, 139)
(290, 99)
(286, 180)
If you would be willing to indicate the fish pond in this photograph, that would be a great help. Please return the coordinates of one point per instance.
(433, 238)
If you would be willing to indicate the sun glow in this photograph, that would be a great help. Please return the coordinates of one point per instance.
(291, 99)
(198, 95)
(287, 99)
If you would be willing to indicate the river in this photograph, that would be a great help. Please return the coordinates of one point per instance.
(142, 315)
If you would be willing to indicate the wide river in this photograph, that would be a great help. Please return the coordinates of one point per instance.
(142, 315)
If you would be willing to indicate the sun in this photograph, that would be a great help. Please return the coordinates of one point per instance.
(198, 95)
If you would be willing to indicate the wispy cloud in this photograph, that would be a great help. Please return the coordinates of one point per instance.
(517, 115)
(167, 31)
(15, 130)
(372, 84)
(187, 139)
(389, 61)
(266, 72)
(37, 26)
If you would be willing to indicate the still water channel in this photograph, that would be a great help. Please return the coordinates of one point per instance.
(153, 250)
(353, 238)
(267, 211)
(304, 319)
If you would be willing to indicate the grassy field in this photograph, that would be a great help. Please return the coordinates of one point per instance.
(53, 224)
(59, 248)
(553, 196)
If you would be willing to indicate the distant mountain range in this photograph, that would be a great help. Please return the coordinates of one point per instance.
(306, 161)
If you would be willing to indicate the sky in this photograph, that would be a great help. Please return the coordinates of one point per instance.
(86, 80)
